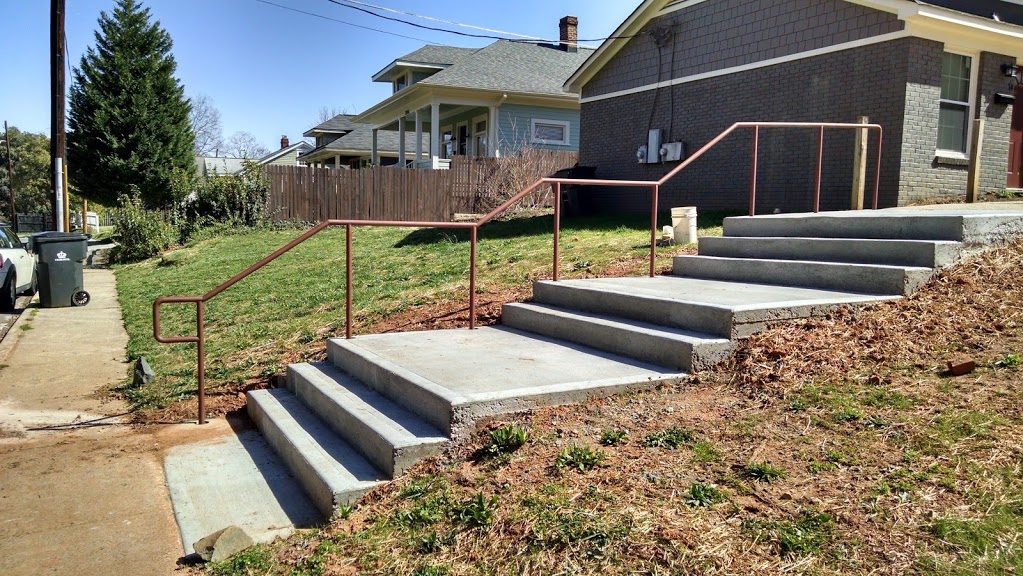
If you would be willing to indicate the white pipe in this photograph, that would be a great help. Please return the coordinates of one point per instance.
(58, 178)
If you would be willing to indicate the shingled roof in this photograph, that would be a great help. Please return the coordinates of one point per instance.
(440, 55)
(337, 124)
(513, 67)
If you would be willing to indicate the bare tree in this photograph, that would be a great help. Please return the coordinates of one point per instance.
(326, 113)
(244, 145)
(205, 118)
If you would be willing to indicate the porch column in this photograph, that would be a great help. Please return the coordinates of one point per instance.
(375, 155)
(419, 136)
(401, 142)
(495, 151)
(337, 162)
(435, 131)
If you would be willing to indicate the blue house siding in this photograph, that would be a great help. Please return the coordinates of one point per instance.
(514, 122)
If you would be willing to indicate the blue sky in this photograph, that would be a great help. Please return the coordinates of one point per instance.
(269, 70)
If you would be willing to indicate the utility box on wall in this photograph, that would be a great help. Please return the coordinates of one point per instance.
(673, 152)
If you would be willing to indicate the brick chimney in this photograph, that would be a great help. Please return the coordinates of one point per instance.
(569, 33)
(284, 142)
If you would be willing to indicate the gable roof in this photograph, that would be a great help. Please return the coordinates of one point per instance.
(975, 18)
(338, 124)
(301, 146)
(514, 67)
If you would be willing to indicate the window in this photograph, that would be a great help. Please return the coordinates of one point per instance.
(480, 136)
(954, 105)
(400, 83)
(548, 132)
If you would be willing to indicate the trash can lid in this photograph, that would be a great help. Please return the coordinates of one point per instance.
(47, 237)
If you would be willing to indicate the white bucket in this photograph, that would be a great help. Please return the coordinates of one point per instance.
(683, 220)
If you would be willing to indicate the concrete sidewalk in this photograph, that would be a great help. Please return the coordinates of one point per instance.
(80, 492)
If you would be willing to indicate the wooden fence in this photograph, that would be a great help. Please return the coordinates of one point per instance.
(388, 193)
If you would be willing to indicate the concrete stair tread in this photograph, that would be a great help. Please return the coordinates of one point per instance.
(330, 470)
(784, 262)
(678, 334)
(722, 294)
(925, 253)
(399, 426)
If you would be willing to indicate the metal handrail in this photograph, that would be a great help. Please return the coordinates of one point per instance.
(200, 301)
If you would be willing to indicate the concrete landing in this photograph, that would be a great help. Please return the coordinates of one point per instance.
(492, 369)
(235, 480)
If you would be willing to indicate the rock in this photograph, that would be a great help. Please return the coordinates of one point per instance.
(143, 373)
(222, 544)
(961, 364)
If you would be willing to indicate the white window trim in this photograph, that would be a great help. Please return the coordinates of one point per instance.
(474, 134)
(407, 76)
(972, 114)
(566, 125)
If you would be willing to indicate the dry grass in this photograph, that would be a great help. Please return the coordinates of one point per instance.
(886, 465)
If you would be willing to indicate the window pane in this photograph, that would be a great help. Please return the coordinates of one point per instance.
(955, 78)
(549, 132)
(952, 123)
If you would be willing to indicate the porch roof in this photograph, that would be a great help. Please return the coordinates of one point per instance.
(359, 142)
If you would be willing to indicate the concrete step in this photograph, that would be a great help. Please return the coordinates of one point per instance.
(680, 349)
(450, 378)
(330, 471)
(863, 278)
(876, 224)
(391, 437)
(715, 307)
(917, 253)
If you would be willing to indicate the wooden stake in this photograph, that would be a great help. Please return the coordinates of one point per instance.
(860, 165)
(973, 176)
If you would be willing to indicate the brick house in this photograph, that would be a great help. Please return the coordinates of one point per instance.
(691, 68)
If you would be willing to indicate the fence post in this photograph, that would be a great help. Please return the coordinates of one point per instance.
(860, 164)
(973, 175)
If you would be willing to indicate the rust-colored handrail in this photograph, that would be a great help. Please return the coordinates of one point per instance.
(473, 227)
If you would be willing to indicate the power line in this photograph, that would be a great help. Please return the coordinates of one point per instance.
(343, 22)
(351, 5)
(414, 15)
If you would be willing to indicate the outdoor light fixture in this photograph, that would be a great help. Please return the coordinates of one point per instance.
(1012, 72)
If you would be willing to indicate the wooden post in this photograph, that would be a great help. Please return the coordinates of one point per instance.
(973, 176)
(860, 165)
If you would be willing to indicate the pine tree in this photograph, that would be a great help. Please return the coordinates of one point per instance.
(128, 117)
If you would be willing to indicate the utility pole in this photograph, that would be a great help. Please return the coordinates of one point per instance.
(10, 177)
(58, 142)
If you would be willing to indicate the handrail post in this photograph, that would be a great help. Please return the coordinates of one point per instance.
(753, 177)
(557, 229)
(348, 282)
(877, 175)
(472, 278)
(655, 189)
(200, 321)
(820, 168)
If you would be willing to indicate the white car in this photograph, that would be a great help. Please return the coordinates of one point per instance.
(17, 271)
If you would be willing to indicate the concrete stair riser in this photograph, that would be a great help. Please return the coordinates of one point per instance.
(646, 342)
(704, 318)
(330, 471)
(863, 278)
(389, 436)
(917, 253)
(404, 388)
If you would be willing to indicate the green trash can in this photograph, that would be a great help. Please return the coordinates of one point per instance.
(59, 260)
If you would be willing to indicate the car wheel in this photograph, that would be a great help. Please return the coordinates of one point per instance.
(8, 294)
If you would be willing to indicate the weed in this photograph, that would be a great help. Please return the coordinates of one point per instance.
(344, 511)
(706, 452)
(427, 511)
(762, 472)
(506, 440)
(670, 438)
(801, 537)
(475, 512)
(701, 494)
(255, 560)
(1010, 361)
(816, 467)
(840, 458)
(613, 437)
(419, 487)
(25, 327)
(582, 458)
(2, 366)
(433, 542)
(848, 414)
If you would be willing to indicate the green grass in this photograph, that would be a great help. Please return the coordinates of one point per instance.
(293, 304)
(807, 534)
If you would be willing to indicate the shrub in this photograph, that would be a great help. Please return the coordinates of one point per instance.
(232, 199)
(140, 233)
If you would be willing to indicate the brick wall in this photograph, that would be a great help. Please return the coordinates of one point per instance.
(836, 87)
(998, 122)
(726, 33)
